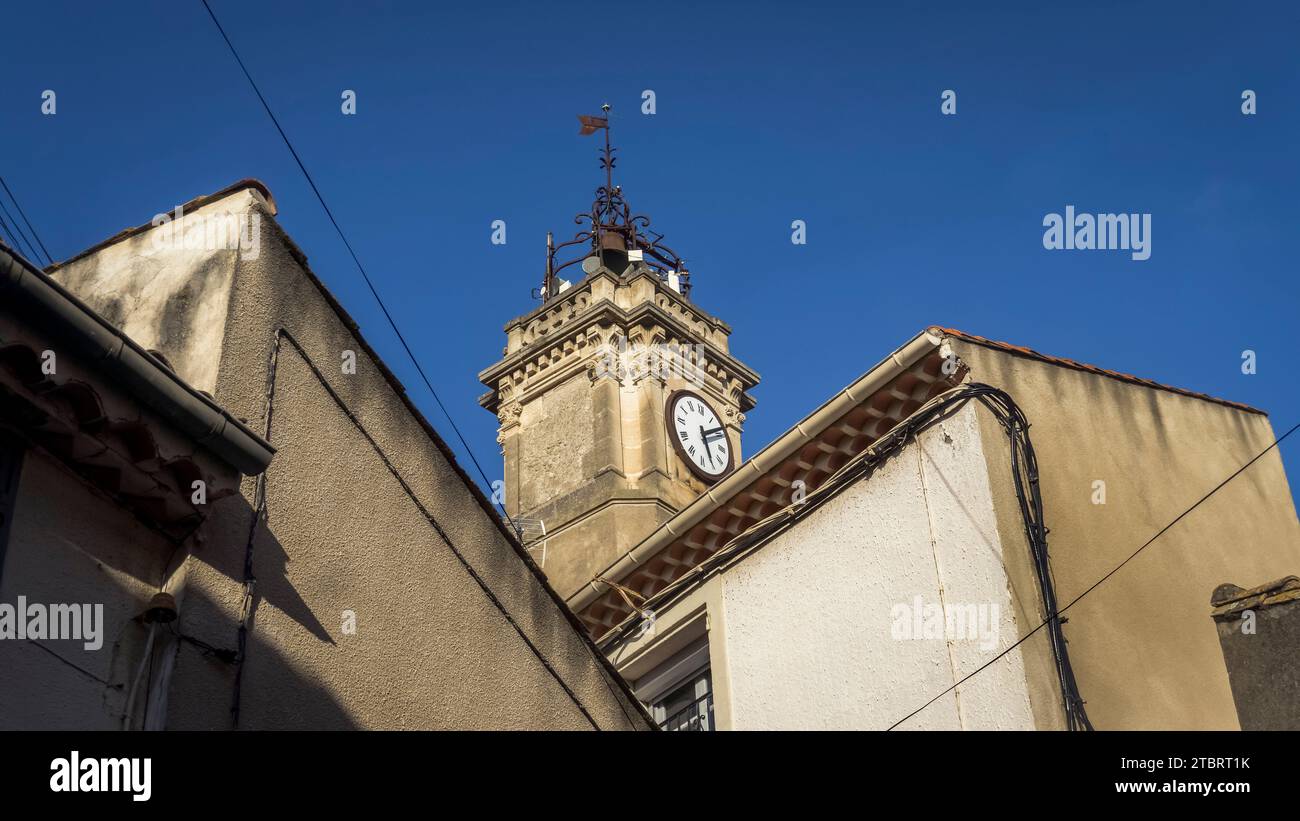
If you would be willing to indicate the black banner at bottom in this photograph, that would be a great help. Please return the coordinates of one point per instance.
(140, 772)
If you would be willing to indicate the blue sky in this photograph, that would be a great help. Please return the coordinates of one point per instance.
(766, 113)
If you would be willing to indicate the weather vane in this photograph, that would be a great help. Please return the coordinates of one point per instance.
(618, 238)
(590, 125)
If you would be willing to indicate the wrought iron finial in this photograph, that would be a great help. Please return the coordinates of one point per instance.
(607, 161)
(617, 236)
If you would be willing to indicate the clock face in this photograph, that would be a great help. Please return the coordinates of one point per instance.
(698, 435)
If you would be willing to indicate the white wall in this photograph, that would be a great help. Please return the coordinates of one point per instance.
(809, 617)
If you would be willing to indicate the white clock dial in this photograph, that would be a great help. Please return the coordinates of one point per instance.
(698, 435)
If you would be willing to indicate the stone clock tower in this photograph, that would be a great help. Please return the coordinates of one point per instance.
(618, 400)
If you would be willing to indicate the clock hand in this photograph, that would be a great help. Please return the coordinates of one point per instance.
(711, 431)
(705, 440)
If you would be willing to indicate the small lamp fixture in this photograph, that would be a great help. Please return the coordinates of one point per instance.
(162, 609)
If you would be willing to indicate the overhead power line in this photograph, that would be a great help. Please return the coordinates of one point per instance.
(601, 661)
(48, 259)
(1052, 616)
(7, 235)
(16, 238)
(348, 245)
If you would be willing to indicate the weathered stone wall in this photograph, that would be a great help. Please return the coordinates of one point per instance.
(580, 396)
(1259, 631)
(565, 439)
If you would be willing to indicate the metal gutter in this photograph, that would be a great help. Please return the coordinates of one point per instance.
(31, 293)
(759, 464)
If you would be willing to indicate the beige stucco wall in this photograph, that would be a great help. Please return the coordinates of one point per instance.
(431, 648)
(802, 630)
(69, 544)
(1143, 649)
(346, 530)
(169, 294)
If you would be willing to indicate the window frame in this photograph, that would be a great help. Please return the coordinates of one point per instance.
(689, 663)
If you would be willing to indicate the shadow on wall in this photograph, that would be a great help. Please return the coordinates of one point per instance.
(274, 690)
(223, 547)
(56, 685)
(202, 690)
(434, 650)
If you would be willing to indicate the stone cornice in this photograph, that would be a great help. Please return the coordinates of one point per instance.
(566, 335)
(586, 286)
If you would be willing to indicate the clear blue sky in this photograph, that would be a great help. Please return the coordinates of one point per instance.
(766, 113)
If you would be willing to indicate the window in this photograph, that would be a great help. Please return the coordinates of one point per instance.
(679, 692)
(689, 707)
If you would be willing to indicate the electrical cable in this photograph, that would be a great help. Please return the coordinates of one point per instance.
(369, 284)
(31, 248)
(220, 653)
(1016, 425)
(49, 260)
(260, 514)
(27, 245)
(1025, 472)
(1098, 583)
(38, 645)
(7, 236)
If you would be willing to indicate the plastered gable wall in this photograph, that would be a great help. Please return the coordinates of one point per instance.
(349, 535)
(428, 647)
(809, 617)
(346, 528)
(1144, 650)
(166, 296)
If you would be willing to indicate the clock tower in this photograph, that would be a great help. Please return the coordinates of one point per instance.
(618, 399)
